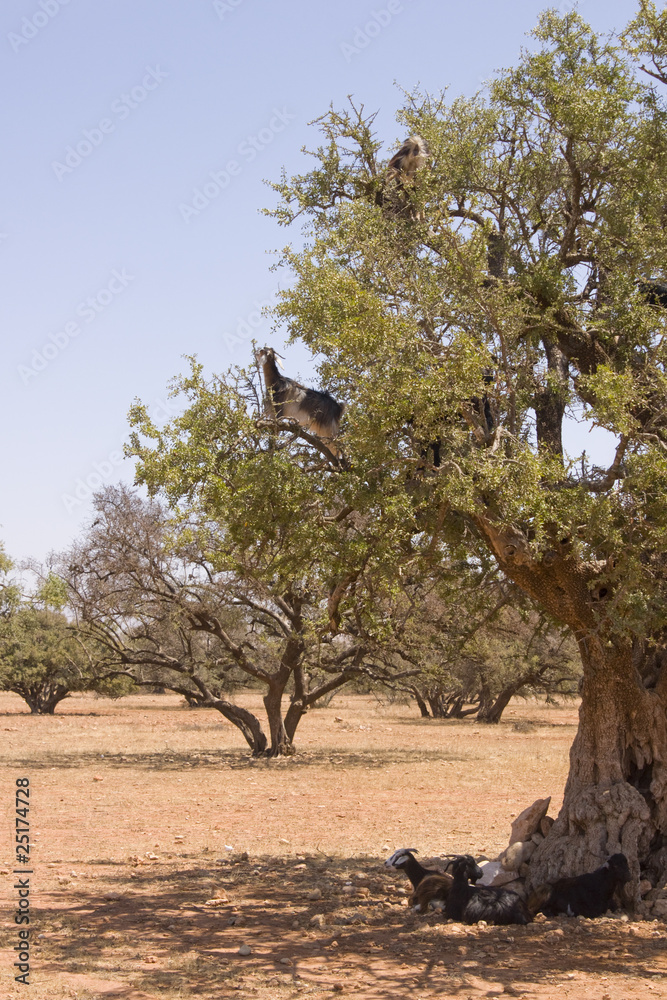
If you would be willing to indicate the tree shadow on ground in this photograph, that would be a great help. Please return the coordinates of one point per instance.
(172, 760)
(338, 924)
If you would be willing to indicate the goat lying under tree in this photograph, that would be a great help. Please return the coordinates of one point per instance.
(471, 903)
(404, 859)
(588, 895)
(431, 893)
(315, 411)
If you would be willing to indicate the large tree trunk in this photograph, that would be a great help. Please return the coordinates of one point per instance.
(550, 402)
(421, 704)
(248, 724)
(42, 699)
(281, 744)
(492, 710)
(616, 793)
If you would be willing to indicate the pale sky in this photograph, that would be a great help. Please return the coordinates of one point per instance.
(138, 135)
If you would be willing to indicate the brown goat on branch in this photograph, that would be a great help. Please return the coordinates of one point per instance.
(317, 412)
(404, 164)
(400, 175)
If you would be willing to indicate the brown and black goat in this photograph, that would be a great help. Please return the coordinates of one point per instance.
(400, 176)
(317, 412)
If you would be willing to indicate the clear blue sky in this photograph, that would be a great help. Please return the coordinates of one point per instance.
(114, 113)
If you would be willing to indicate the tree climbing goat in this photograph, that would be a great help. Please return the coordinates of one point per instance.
(654, 292)
(588, 895)
(404, 164)
(471, 903)
(405, 859)
(317, 412)
(400, 175)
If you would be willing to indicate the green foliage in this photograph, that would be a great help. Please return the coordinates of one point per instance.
(41, 660)
(559, 170)
(10, 594)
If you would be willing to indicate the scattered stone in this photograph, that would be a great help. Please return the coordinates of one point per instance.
(502, 878)
(537, 837)
(96, 778)
(552, 937)
(317, 920)
(111, 896)
(245, 949)
(644, 887)
(527, 822)
(151, 959)
(545, 824)
(517, 854)
(285, 961)
(314, 893)
(490, 869)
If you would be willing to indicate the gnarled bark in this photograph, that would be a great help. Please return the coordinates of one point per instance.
(42, 698)
(248, 724)
(550, 401)
(616, 794)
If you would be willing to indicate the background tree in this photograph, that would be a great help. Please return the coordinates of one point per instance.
(512, 652)
(224, 592)
(535, 251)
(40, 657)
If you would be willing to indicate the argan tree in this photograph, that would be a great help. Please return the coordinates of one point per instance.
(41, 659)
(231, 582)
(474, 670)
(521, 288)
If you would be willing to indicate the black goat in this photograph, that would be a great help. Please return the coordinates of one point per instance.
(471, 903)
(317, 412)
(655, 292)
(588, 895)
(405, 859)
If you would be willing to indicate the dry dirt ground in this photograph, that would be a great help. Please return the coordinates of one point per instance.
(161, 848)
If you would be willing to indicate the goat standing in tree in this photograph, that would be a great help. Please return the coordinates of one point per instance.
(400, 176)
(317, 412)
